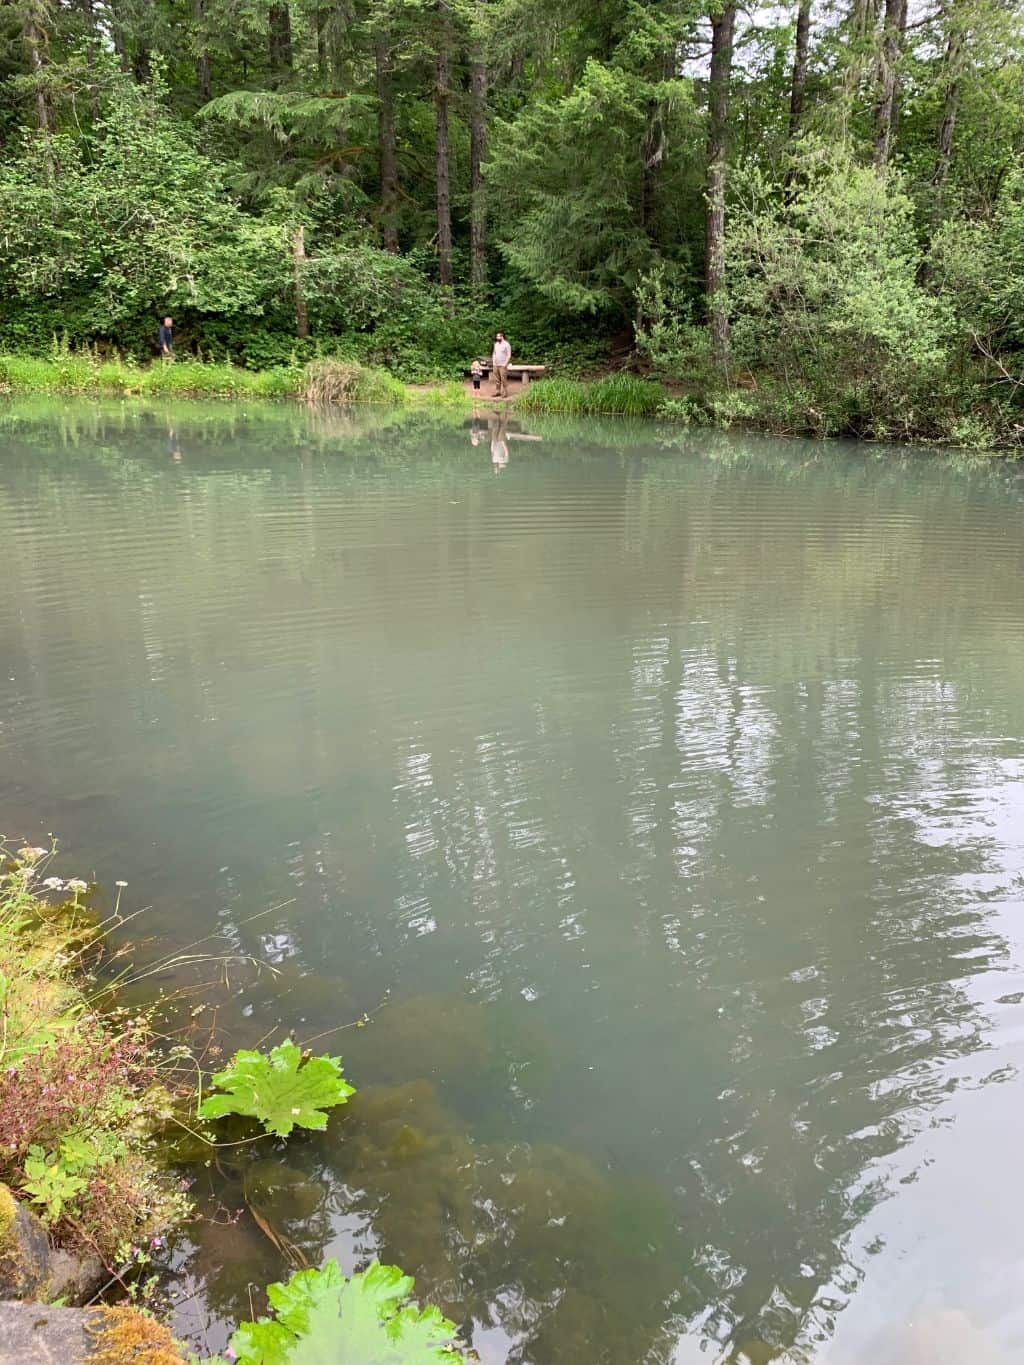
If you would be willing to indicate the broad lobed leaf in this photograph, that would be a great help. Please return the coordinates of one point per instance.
(283, 1090)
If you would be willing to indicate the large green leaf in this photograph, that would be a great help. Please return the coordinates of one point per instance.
(324, 1319)
(282, 1090)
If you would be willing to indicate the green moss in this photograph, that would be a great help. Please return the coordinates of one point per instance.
(126, 1336)
(8, 1213)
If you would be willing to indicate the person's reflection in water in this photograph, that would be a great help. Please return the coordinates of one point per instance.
(475, 431)
(498, 424)
(174, 449)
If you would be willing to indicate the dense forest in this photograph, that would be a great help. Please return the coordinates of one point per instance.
(811, 215)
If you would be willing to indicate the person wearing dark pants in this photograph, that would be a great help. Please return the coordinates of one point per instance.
(165, 339)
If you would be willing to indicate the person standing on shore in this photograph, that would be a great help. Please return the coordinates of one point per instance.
(165, 338)
(500, 357)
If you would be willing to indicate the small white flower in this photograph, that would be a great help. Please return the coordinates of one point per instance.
(76, 884)
(120, 883)
(296, 1111)
(31, 855)
(27, 873)
(54, 884)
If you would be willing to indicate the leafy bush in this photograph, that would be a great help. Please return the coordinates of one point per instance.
(685, 411)
(138, 222)
(284, 1090)
(80, 1092)
(320, 1316)
(826, 302)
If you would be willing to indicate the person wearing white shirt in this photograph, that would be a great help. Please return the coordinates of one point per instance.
(500, 357)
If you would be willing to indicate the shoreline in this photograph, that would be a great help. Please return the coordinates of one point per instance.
(99, 1110)
(342, 383)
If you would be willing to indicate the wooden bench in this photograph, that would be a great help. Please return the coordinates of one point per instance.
(521, 373)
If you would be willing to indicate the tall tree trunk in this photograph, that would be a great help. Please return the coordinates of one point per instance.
(203, 83)
(141, 68)
(279, 37)
(860, 29)
(321, 42)
(723, 28)
(444, 207)
(387, 144)
(799, 85)
(651, 153)
(119, 38)
(299, 265)
(955, 48)
(886, 108)
(653, 148)
(477, 156)
(35, 42)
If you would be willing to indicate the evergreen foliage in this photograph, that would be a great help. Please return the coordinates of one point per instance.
(747, 202)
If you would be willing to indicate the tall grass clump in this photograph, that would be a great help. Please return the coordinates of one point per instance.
(81, 1090)
(346, 381)
(441, 396)
(554, 395)
(625, 395)
(622, 395)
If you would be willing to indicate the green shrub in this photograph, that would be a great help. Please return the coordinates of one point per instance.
(828, 308)
(685, 411)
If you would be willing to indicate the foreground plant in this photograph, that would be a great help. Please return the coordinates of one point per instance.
(283, 1090)
(322, 1318)
(81, 1093)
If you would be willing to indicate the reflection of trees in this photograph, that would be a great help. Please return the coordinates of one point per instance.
(656, 787)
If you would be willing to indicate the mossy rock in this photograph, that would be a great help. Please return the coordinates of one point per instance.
(8, 1213)
(24, 1251)
(31, 1334)
(30, 1269)
(124, 1336)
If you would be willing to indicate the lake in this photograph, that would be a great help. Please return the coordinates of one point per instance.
(658, 797)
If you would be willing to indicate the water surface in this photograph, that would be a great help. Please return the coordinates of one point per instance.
(658, 794)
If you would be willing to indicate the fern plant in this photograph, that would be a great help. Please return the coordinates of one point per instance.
(322, 1318)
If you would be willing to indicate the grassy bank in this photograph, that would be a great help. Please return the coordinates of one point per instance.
(82, 1088)
(322, 381)
(318, 381)
(335, 382)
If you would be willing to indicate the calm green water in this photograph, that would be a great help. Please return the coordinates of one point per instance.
(667, 787)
